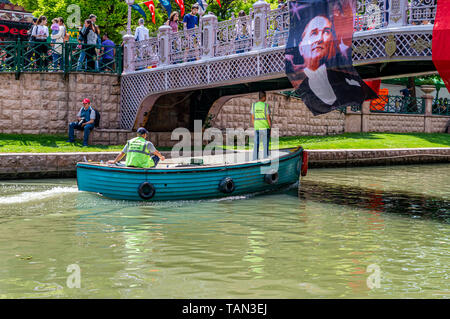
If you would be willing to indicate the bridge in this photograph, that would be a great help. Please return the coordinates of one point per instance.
(173, 79)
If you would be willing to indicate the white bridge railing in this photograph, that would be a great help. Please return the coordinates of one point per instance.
(261, 29)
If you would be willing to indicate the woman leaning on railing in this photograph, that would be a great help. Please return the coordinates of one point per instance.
(40, 33)
(57, 51)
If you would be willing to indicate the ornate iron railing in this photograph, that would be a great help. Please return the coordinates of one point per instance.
(30, 56)
(234, 36)
(370, 15)
(398, 105)
(277, 27)
(146, 54)
(441, 106)
(185, 46)
(422, 12)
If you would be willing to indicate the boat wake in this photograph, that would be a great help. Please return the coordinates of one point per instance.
(31, 196)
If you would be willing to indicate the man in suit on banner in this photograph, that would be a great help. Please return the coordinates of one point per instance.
(317, 64)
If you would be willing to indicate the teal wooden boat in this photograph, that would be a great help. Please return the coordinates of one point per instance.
(172, 180)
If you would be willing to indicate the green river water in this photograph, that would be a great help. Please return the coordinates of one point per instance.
(370, 232)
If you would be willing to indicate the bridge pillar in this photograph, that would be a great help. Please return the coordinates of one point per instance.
(260, 10)
(128, 56)
(365, 116)
(209, 23)
(164, 49)
(428, 89)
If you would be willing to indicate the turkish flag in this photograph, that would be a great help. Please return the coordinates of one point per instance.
(441, 38)
(181, 5)
(151, 7)
(218, 1)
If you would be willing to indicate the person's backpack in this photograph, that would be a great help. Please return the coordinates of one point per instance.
(97, 118)
(66, 36)
(30, 35)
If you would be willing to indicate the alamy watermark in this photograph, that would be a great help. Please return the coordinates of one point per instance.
(210, 145)
(374, 280)
(74, 279)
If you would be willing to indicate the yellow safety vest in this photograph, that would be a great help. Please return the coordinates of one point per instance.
(137, 154)
(260, 111)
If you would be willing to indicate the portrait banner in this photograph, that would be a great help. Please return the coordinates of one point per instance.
(318, 56)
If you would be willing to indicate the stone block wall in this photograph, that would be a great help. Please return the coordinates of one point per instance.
(41, 103)
(289, 115)
(399, 123)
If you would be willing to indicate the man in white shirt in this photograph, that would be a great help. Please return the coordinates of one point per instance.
(141, 31)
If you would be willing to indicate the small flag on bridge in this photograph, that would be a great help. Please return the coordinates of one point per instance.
(181, 5)
(151, 7)
(318, 56)
(200, 3)
(166, 4)
(139, 9)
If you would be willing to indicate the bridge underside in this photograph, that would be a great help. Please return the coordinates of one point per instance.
(180, 109)
(165, 112)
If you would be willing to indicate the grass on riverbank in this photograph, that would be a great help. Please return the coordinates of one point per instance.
(368, 140)
(46, 143)
(26, 143)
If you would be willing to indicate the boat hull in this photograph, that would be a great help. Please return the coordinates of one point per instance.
(190, 183)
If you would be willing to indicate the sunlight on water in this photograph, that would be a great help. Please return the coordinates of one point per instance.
(32, 196)
(380, 232)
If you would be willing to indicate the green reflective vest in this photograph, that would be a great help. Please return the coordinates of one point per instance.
(137, 153)
(260, 111)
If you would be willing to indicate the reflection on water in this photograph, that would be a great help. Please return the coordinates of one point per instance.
(327, 240)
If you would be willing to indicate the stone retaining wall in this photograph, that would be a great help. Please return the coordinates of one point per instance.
(40, 103)
(396, 123)
(41, 165)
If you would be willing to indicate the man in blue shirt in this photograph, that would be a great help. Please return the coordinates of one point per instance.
(190, 20)
(108, 50)
(85, 122)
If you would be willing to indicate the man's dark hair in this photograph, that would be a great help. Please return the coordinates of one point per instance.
(194, 6)
(262, 94)
(92, 16)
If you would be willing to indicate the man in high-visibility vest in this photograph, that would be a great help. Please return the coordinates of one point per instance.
(138, 151)
(261, 123)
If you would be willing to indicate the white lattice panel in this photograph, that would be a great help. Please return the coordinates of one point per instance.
(392, 46)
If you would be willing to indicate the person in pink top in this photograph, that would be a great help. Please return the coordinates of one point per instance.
(173, 21)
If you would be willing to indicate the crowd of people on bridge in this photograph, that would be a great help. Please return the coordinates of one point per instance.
(91, 51)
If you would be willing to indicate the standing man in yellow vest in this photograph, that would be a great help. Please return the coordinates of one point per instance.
(138, 151)
(261, 123)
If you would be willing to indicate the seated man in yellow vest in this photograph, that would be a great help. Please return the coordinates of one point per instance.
(261, 123)
(138, 151)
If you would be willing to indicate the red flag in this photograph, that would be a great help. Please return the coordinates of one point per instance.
(441, 38)
(181, 5)
(374, 85)
(151, 7)
(218, 1)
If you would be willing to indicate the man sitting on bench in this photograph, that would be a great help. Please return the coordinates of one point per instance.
(85, 122)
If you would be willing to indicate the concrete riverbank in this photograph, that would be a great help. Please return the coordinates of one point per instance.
(46, 165)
